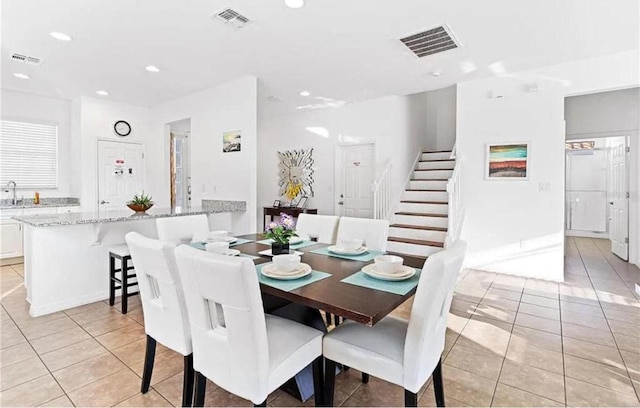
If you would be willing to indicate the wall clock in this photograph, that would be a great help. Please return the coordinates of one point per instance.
(122, 128)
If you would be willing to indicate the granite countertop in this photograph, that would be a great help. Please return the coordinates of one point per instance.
(5, 203)
(100, 217)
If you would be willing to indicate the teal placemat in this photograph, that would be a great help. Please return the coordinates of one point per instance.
(201, 246)
(290, 285)
(366, 257)
(240, 241)
(398, 287)
(292, 246)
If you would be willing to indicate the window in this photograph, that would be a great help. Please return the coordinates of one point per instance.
(28, 154)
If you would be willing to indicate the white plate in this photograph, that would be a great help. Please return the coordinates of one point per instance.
(267, 252)
(343, 251)
(407, 272)
(231, 252)
(270, 271)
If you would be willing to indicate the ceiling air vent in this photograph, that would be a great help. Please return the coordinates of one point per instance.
(432, 41)
(232, 17)
(27, 59)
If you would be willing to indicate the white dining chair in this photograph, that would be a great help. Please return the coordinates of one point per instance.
(374, 233)
(181, 230)
(321, 227)
(166, 319)
(245, 352)
(402, 352)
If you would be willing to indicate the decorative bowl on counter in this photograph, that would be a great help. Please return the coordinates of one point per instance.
(139, 208)
(140, 203)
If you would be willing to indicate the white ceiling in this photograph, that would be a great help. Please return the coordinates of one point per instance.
(336, 49)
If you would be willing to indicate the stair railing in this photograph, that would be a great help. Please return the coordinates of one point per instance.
(381, 188)
(456, 215)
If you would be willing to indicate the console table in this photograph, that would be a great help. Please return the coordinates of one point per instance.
(292, 211)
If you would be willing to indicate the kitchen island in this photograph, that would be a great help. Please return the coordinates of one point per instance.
(66, 256)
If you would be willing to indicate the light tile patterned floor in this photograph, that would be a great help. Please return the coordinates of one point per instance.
(511, 342)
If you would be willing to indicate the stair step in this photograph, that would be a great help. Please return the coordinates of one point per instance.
(437, 160)
(423, 202)
(417, 242)
(431, 169)
(411, 249)
(415, 179)
(427, 190)
(436, 151)
(414, 214)
(419, 227)
(435, 155)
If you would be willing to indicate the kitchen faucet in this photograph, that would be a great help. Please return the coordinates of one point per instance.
(6, 189)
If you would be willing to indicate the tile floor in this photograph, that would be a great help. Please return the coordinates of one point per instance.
(511, 342)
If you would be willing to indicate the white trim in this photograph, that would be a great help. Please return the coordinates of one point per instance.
(68, 304)
(586, 234)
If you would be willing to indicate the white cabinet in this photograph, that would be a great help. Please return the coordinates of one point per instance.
(10, 238)
(68, 210)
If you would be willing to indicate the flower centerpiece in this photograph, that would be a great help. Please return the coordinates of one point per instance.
(140, 203)
(281, 232)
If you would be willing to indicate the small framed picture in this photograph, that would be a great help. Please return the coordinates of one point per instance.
(507, 161)
(276, 204)
(302, 202)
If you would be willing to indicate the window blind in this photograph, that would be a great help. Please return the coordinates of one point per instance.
(28, 154)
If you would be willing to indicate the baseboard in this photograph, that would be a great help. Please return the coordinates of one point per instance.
(586, 234)
(12, 261)
(40, 310)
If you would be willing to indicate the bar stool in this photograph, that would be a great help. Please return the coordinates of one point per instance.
(121, 252)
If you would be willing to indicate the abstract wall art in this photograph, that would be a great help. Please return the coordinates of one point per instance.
(507, 161)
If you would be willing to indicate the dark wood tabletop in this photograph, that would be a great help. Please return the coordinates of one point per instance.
(360, 304)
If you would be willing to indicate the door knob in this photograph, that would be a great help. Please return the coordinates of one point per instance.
(340, 202)
(611, 202)
(104, 202)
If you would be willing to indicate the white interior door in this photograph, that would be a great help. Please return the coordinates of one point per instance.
(619, 214)
(120, 173)
(587, 190)
(358, 167)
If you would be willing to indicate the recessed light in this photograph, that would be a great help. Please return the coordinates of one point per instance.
(436, 73)
(294, 3)
(60, 36)
(152, 68)
(102, 93)
(305, 93)
(21, 75)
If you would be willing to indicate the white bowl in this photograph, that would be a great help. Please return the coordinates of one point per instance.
(217, 247)
(218, 235)
(351, 244)
(286, 263)
(388, 263)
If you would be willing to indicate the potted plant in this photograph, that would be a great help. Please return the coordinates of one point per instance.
(140, 203)
(281, 232)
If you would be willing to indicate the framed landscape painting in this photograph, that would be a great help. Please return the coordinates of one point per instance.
(231, 141)
(507, 161)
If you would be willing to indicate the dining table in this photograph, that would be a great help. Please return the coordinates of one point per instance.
(365, 305)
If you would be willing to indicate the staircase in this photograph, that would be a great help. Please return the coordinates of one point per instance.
(421, 222)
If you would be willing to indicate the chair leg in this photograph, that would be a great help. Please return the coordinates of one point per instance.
(318, 382)
(410, 399)
(365, 378)
(125, 285)
(329, 381)
(112, 284)
(438, 385)
(149, 357)
(187, 381)
(201, 388)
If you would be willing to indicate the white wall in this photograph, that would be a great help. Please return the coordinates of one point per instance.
(397, 126)
(95, 122)
(441, 118)
(511, 226)
(214, 174)
(29, 107)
